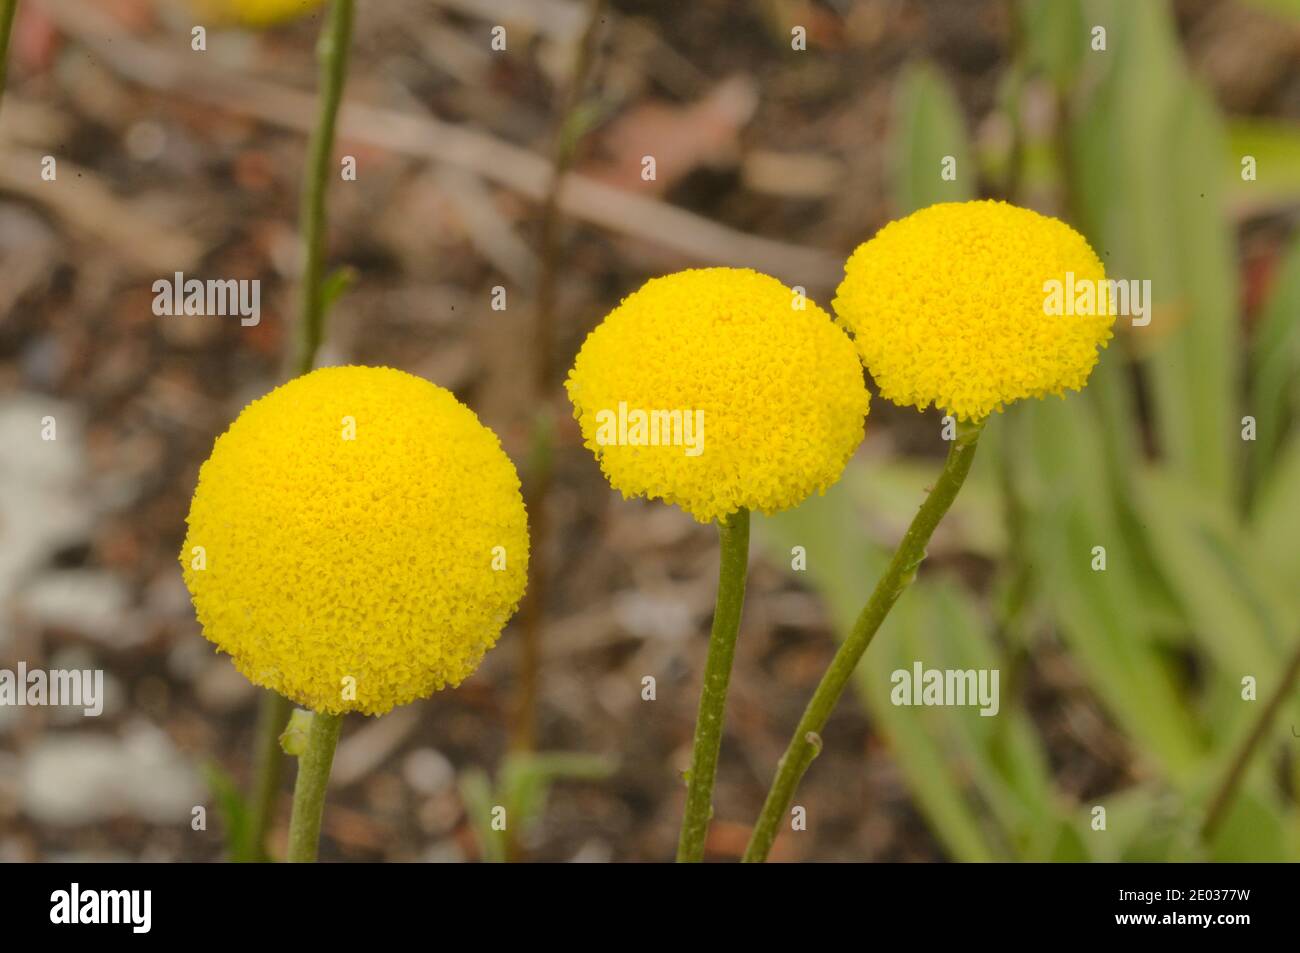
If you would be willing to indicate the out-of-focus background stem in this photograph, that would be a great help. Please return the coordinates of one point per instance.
(1226, 790)
(332, 55)
(569, 129)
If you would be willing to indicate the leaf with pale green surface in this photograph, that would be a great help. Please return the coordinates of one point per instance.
(928, 126)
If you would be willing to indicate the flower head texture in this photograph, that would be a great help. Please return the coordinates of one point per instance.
(716, 389)
(947, 307)
(357, 540)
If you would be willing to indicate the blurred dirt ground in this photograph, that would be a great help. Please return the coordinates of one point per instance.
(159, 173)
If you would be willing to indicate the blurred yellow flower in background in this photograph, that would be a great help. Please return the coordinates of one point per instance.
(948, 307)
(357, 540)
(256, 13)
(764, 391)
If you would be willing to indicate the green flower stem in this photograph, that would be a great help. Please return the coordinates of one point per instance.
(733, 533)
(7, 10)
(806, 742)
(332, 55)
(309, 790)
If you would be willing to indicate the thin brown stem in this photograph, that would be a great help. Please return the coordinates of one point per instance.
(568, 133)
(1226, 791)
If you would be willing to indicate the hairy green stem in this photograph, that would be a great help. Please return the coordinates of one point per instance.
(332, 56)
(806, 742)
(309, 790)
(733, 533)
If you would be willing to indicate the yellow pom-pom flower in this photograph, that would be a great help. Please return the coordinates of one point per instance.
(718, 389)
(256, 13)
(357, 540)
(950, 306)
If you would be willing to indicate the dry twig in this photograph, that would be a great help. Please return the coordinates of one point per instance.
(428, 138)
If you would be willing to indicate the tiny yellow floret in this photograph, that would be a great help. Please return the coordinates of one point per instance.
(357, 540)
(949, 306)
(716, 389)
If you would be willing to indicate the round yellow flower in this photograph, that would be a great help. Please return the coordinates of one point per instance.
(717, 389)
(357, 540)
(951, 306)
(256, 13)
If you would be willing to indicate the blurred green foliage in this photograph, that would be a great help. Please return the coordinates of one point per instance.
(1202, 583)
(501, 815)
(235, 815)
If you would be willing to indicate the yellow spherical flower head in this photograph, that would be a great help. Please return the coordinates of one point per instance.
(255, 13)
(357, 540)
(951, 306)
(717, 389)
